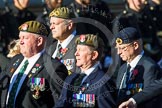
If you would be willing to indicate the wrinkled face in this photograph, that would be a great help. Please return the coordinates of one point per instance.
(136, 5)
(53, 3)
(59, 28)
(84, 56)
(29, 43)
(126, 51)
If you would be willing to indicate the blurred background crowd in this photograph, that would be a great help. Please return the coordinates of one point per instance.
(145, 15)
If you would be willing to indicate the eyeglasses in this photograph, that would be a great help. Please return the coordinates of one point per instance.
(124, 48)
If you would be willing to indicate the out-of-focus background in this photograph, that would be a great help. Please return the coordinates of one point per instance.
(36, 5)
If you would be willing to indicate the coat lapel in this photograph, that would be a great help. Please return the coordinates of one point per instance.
(121, 72)
(52, 48)
(70, 47)
(138, 71)
(15, 65)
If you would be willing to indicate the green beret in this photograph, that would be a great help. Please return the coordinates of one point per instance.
(62, 12)
(34, 27)
(89, 40)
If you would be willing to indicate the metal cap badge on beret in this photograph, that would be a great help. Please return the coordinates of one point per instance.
(90, 40)
(34, 27)
(127, 35)
(62, 12)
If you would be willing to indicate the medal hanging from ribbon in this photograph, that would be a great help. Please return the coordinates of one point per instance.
(37, 85)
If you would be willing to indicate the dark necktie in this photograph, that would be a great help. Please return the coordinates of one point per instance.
(15, 85)
(79, 79)
(59, 54)
(128, 73)
(126, 77)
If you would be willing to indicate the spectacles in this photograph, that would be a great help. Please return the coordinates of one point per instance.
(124, 48)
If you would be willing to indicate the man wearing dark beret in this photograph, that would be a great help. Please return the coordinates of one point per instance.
(138, 71)
(92, 87)
(64, 31)
(30, 79)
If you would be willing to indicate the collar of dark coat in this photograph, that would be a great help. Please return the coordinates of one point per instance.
(16, 61)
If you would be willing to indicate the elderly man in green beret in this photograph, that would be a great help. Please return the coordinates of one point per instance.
(64, 31)
(30, 79)
(92, 87)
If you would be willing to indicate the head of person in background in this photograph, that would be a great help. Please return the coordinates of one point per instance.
(136, 5)
(61, 23)
(32, 36)
(89, 51)
(52, 4)
(21, 4)
(14, 48)
(128, 44)
(84, 3)
(139, 5)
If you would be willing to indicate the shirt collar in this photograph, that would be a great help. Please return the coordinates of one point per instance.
(67, 40)
(90, 70)
(134, 62)
(35, 57)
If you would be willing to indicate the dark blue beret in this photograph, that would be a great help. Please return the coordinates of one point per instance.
(127, 35)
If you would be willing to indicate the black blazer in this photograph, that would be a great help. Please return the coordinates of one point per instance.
(147, 72)
(52, 87)
(99, 83)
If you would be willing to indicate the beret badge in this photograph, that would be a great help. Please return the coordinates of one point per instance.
(56, 13)
(24, 27)
(82, 38)
(119, 41)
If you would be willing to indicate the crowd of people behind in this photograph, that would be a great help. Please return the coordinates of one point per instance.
(81, 55)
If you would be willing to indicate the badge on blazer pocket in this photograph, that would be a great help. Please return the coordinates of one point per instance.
(37, 86)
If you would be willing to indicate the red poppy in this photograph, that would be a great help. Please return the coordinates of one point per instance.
(134, 74)
(64, 50)
(37, 65)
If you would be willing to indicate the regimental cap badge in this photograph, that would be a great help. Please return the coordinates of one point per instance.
(119, 41)
(82, 38)
(25, 26)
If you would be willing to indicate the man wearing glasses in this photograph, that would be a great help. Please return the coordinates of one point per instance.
(138, 71)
